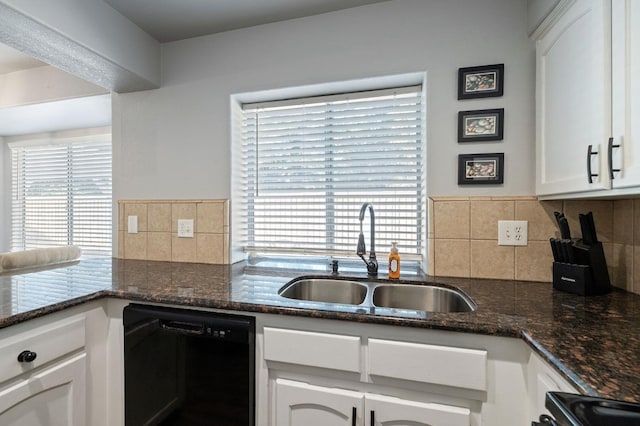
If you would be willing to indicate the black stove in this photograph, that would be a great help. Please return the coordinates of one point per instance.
(569, 409)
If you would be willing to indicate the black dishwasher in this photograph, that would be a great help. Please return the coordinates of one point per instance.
(187, 367)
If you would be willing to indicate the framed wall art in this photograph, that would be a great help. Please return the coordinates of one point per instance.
(481, 82)
(481, 125)
(480, 169)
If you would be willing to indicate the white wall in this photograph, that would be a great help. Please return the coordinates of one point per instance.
(174, 142)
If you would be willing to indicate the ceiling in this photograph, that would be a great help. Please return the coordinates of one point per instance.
(75, 113)
(164, 20)
(12, 60)
(171, 20)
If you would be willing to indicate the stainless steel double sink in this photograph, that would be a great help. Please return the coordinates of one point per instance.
(427, 297)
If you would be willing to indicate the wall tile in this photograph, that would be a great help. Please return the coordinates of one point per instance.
(608, 256)
(542, 222)
(534, 262)
(159, 217)
(120, 216)
(621, 266)
(159, 246)
(623, 230)
(430, 212)
(636, 221)
(210, 217)
(183, 211)
(602, 216)
(136, 209)
(225, 213)
(135, 246)
(183, 249)
(489, 260)
(121, 244)
(485, 216)
(635, 287)
(226, 247)
(210, 248)
(431, 255)
(451, 219)
(452, 258)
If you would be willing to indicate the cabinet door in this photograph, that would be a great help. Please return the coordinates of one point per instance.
(626, 93)
(301, 404)
(387, 411)
(55, 396)
(573, 99)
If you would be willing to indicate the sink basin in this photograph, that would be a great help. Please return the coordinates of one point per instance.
(421, 298)
(325, 290)
(428, 298)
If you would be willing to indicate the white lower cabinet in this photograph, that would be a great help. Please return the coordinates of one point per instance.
(54, 396)
(383, 410)
(62, 380)
(542, 379)
(302, 404)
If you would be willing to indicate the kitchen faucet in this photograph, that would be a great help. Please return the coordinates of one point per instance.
(372, 263)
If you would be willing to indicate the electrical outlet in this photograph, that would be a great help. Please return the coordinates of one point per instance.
(512, 232)
(185, 228)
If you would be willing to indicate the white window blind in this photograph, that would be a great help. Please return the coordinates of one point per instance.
(61, 192)
(304, 167)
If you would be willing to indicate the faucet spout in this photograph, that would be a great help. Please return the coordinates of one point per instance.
(372, 263)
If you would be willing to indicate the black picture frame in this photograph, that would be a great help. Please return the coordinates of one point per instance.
(484, 81)
(481, 125)
(481, 169)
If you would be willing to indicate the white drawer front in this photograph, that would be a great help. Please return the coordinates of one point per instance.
(313, 349)
(48, 342)
(442, 365)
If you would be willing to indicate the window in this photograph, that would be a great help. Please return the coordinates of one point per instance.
(304, 167)
(61, 191)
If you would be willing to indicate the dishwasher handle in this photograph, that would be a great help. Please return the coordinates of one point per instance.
(182, 327)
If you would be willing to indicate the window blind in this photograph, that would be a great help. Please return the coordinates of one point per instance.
(304, 167)
(61, 192)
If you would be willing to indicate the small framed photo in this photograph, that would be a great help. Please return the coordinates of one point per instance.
(480, 169)
(481, 82)
(481, 125)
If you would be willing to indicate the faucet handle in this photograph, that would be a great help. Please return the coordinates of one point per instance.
(372, 266)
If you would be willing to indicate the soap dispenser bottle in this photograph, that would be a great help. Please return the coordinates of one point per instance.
(394, 262)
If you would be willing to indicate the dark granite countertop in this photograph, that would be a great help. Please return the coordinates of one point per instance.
(594, 341)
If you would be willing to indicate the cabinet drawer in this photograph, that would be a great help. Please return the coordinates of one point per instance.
(337, 352)
(49, 342)
(442, 365)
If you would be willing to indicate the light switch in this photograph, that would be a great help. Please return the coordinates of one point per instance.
(132, 224)
(185, 228)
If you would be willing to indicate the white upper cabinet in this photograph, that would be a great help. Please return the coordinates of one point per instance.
(625, 94)
(573, 100)
(588, 100)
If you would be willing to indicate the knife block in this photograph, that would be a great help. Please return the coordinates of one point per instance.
(588, 277)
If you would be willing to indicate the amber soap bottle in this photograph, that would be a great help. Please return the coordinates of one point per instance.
(394, 262)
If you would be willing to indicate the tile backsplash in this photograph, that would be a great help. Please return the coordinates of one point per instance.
(157, 236)
(463, 237)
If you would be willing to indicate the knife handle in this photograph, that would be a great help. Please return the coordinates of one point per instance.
(554, 250)
(590, 152)
(610, 159)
